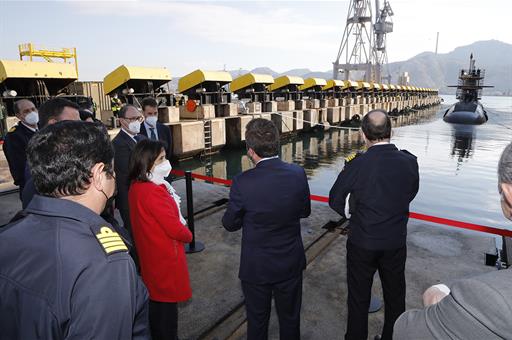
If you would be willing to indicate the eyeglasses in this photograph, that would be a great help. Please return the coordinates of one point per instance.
(135, 119)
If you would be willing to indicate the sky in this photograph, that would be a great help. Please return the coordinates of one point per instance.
(215, 35)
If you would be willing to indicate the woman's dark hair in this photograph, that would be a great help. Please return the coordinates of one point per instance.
(262, 136)
(61, 156)
(376, 128)
(142, 159)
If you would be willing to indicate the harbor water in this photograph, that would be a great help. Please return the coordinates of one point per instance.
(458, 164)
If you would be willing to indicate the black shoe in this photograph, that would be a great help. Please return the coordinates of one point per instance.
(377, 337)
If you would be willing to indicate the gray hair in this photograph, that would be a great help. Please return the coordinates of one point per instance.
(505, 166)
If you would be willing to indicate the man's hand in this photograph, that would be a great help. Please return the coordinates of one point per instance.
(435, 294)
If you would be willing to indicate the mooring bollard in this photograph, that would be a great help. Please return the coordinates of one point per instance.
(194, 246)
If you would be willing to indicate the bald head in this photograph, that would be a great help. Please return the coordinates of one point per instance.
(376, 126)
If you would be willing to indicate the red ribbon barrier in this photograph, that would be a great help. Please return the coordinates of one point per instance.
(417, 216)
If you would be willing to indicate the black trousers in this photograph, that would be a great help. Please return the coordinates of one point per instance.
(288, 301)
(361, 266)
(163, 320)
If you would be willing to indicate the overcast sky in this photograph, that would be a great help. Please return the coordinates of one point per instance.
(186, 35)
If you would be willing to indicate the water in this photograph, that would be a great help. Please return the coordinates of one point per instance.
(458, 164)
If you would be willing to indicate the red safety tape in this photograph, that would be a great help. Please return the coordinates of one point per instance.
(417, 216)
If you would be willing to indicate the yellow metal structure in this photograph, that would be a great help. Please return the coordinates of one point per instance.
(249, 79)
(334, 83)
(385, 87)
(30, 50)
(363, 85)
(199, 76)
(312, 82)
(392, 87)
(123, 73)
(351, 83)
(285, 81)
(399, 87)
(375, 86)
(10, 69)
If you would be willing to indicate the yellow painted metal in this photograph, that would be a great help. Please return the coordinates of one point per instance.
(392, 87)
(199, 76)
(285, 81)
(311, 82)
(36, 70)
(364, 85)
(334, 83)
(30, 50)
(249, 79)
(124, 73)
(384, 87)
(375, 86)
(351, 83)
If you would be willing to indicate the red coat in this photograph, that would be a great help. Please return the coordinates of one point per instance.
(160, 240)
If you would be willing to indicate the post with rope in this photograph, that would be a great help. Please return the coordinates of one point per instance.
(194, 246)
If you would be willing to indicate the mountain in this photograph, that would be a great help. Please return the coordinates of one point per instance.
(428, 69)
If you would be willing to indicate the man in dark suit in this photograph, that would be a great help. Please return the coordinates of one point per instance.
(153, 129)
(130, 119)
(268, 202)
(381, 183)
(472, 308)
(17, 138)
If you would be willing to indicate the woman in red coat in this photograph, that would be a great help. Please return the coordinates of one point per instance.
(160, 235)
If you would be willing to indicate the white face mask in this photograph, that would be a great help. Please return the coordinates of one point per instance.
(162, 170)
(134, 127)
(151, 120)
(32, 118)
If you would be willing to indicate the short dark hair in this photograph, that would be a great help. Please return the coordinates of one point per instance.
(142, 159)
(148, 101)
(85, 114)
(375, 129)
(124, 108)
(53, 109)
(61, 157)
(262, 136)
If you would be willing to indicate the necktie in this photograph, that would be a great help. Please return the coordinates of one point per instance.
(152, 132)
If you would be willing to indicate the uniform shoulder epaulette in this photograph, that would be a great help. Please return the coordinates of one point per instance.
(109, 239)
(13, 128)
(352, 156)
(407, 152)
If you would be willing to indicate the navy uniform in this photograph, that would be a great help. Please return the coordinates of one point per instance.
(381, 183)
(15, 147)
(66, 274)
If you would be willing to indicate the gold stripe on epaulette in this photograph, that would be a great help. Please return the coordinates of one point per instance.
(110, 240)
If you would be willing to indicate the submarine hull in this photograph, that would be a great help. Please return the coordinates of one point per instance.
(471, 113)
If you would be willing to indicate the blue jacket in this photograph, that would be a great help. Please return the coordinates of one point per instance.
(381, 183)
(267, 202)
(65, 274)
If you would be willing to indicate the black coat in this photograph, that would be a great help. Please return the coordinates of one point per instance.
(164, 135)
(123, 147)
(381, 183)
(15, 150)
(267, 202)
(64, 273)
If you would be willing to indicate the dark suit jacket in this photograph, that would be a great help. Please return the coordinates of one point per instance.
(15, 150)
(123, 147)
(164, 135)
(268, 202)
(381, 182)
(477, 308)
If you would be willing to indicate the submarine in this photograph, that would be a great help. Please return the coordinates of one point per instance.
(468, 110)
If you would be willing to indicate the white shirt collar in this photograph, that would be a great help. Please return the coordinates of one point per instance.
(267, 158)
(28, 127)
(129, 134)
(381, 143)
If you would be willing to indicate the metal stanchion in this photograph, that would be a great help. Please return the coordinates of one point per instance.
(194, 246)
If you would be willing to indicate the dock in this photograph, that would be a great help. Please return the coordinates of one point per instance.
(216, 309)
